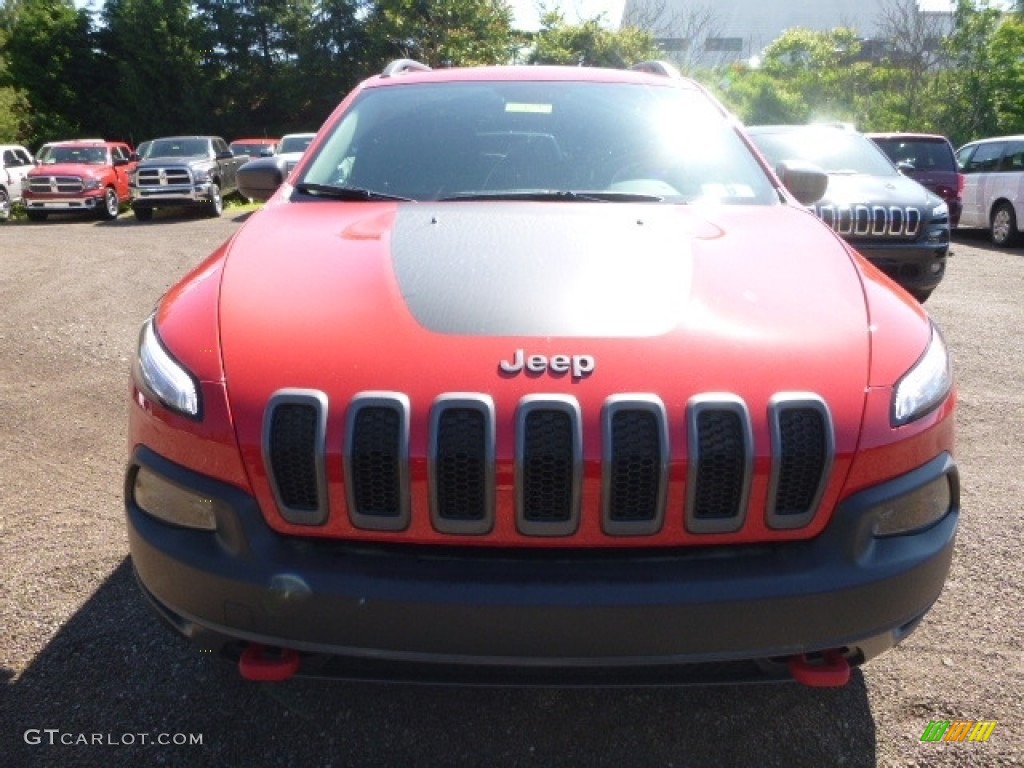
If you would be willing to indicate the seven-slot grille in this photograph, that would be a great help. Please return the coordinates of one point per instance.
(48, 185)
(163, 177)
(548, 461)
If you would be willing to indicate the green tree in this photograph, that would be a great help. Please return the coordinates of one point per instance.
(1007, 55)
(157, 76)
(442, 32)
(968, 84)
(50, 58)
(589, 43)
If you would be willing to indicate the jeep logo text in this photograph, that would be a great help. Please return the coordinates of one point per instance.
(578, 365)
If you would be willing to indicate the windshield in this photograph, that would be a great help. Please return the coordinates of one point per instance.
(295, 143)
(922, 154)
(505, 138)
(831, 149)
(179, 148)
(51, 155)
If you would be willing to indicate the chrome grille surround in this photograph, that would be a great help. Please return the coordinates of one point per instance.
(56, 185)
(802, 474)
(718, 481)
(461, 449)
(861, 220)
(376, 458)
(548, 465)
(634, 464)
(636, 458)
(164, 177)
(294, 456)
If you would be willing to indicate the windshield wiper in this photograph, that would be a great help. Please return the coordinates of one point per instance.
(346, 193)
(566, 196)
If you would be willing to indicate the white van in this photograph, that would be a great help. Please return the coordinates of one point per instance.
(993, 196)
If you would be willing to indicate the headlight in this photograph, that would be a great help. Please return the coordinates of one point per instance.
(201, 175)
(161, 377)
(925, 385)
(91, 184)
(940, 211)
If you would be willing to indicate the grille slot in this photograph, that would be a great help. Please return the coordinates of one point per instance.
(802, 454)
(635, 465)
(377, 461)
(293, 450)
(721, 463)
(461, 464)
(549, 465)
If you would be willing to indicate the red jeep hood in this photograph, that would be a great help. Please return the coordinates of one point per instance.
(430, 298)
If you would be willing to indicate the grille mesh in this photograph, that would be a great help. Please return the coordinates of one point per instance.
(802, 461)
(461, 474)
(635, 466)
(722, 461)
(548, 463)
(292, 450)
(376, 451)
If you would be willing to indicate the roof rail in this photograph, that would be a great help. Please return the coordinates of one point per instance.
(654, 67)
(400, 66)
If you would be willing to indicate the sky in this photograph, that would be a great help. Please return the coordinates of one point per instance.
(527, 16)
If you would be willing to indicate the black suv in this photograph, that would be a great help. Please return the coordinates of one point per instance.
(898, 225)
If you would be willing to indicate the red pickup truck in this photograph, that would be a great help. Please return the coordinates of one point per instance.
(83, 176)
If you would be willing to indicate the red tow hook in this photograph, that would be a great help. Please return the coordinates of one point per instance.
(832, 670)
(268, 665)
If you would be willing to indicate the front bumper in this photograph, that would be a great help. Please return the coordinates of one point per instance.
(916, 267)
(82, 203)
(464, 615)
(172, 196)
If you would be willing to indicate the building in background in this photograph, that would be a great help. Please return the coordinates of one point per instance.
(706, 33)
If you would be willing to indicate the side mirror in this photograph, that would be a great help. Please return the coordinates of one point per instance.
(905, 165)
(805, 181)
(119, 161)
(227, 154)
(260, 177)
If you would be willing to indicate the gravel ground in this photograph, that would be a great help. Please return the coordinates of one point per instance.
(89, 677)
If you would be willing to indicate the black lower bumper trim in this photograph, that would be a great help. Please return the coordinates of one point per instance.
(574, 615)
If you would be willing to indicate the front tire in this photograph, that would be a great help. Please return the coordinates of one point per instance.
(5, 205)
(216, 205)
(1004, 226)
(111, 205)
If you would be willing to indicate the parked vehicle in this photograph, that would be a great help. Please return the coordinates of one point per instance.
(898, 225)
(254, 147)
(994, 187)
(928, 159)
(292, 147)
(79, 177)
(15, 163)
(539, 374)
(184, 171)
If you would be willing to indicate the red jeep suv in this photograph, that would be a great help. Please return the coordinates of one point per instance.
(539, 375)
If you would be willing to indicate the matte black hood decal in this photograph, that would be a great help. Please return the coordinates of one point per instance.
(532, 269)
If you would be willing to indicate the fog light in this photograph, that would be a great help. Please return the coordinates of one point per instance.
(913, 511)
(172, 503)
